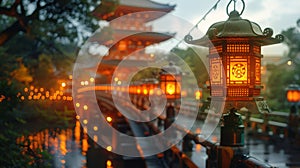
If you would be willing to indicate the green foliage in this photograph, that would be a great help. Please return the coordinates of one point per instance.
(7, 64)
(12, 122)
(33, 62)
(146, 74)
(44, 71)
(279, 79)
(107, 7)
(292, 39)
(22, 74)
(22, 118)
(41, 49)
(195, 59)
(56, 20)
(282, 75)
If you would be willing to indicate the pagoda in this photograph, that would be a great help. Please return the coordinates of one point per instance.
(131, 34)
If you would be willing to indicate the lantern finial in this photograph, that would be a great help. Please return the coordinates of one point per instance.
(234, 9)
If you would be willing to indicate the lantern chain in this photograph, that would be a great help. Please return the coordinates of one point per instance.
(196, 25)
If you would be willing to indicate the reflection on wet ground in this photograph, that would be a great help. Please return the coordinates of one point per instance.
(69, 147)
(280, 153)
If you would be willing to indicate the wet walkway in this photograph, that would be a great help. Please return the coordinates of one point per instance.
(279, 153)
(68, 149)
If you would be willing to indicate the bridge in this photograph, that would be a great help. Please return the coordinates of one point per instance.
(274, 126)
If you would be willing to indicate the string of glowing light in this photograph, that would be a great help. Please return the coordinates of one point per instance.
(197, 24)
(35, 93)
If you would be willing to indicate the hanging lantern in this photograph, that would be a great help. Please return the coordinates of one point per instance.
(198, 94)
(293, 93)
(170, 81)
(235, 60)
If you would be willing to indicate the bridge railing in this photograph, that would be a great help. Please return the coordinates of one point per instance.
(212, 149)
(275, 123)
(271, 124)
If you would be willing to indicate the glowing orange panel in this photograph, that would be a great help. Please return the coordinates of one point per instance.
(145, 91)
(170, 88)
(293, 95)
(238, 71)
(178, 88)
(198, 95)
(122, 46)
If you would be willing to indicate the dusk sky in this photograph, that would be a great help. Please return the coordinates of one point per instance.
(276, 14)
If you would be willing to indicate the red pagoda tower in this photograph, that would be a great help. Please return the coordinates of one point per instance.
(131, 34)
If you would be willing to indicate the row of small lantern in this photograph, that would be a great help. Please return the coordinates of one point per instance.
(40, 93)
(169, 83)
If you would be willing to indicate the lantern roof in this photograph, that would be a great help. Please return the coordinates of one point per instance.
(293, 86)
(236, 27)
(111, 9)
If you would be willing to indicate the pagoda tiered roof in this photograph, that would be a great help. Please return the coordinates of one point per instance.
(111, 9)
(135, 35)
(126, 37)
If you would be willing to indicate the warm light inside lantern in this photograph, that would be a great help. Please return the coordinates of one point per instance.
(293, 95)
(145, 91)
(138, 91)
(108, 164)
(170, 84)
(122, 46)
(170, 88)
(238, 72)
(198, 94)
(109, 119)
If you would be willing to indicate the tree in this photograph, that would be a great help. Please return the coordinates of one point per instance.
(195, 59)
(52, 28)
(282, 75)
(22, 74)
(276, 87)
(38, 40)
(47, 20)
(292, 39)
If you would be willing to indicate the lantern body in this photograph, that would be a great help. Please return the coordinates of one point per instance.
(170, 85)
(170, 81)
(293, 93)
(235, 68)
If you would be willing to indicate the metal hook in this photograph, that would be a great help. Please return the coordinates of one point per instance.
(234, 5)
